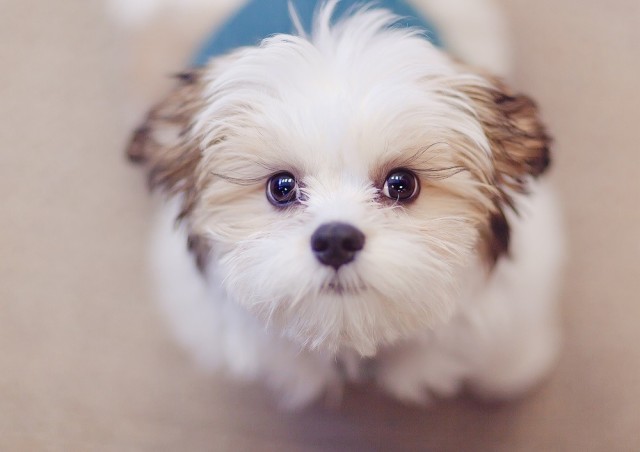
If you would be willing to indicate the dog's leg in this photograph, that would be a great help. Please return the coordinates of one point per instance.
(417, 370)
(519, 362)
(519, 331)
(506, 337)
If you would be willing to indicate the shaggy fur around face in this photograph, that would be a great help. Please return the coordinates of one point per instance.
(339, 110)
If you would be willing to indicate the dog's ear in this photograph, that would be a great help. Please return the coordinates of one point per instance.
(518, 139)
(164, 143)
(519, 147)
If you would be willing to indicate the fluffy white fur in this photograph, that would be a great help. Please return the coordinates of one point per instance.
(418, 301)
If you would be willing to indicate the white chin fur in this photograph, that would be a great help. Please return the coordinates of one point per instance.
(398, 284)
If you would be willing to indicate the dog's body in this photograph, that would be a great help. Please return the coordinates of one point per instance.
(420, 162)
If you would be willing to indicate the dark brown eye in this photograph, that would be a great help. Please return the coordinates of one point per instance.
(282, 189)
(401, 185)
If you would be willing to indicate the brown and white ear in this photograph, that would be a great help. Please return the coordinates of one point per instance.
(520, 151)
(164, 143)
(516, 134)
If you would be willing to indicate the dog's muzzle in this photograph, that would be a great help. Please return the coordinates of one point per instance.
(336, 244)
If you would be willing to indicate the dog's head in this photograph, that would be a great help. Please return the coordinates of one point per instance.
(340, 187)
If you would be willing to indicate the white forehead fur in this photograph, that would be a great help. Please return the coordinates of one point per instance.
(327, 90)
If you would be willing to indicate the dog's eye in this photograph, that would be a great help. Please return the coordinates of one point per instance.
(282, 189)
(401, 185)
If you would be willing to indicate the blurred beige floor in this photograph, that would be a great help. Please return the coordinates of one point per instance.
(85, 360)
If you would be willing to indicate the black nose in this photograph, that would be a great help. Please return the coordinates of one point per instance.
(336, 244)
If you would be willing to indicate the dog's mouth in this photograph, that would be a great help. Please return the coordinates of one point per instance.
(337, 287)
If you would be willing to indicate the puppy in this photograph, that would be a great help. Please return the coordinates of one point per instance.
(351, 203)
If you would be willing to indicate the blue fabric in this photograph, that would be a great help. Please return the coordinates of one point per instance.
(259, 19)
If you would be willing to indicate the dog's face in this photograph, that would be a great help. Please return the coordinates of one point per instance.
(342, 188)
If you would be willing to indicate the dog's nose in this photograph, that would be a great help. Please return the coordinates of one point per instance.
(336, 244)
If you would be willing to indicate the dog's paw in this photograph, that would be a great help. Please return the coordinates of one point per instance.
(301, 378)
(416, 374)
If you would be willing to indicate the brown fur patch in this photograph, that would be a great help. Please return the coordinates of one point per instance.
(520, 146)
(499, 236)
(518, 138)
(162, 142)
(200, 248)
(164, 145)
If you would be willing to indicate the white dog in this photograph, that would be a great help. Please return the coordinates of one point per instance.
(356, 204)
